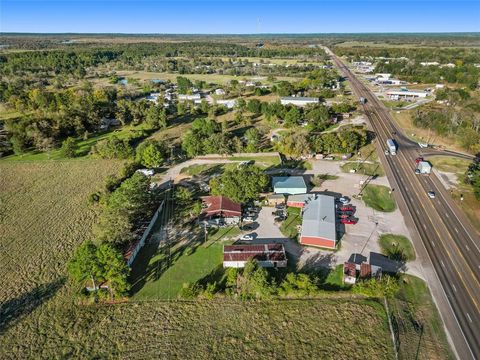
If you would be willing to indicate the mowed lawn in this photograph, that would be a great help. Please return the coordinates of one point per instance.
(326, 328)
(44, 215)
(378, 198)
(165, 275)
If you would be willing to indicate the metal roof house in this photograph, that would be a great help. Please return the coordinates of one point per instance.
(267, 255)
(299, 100)
(289, 185)
(319, 222)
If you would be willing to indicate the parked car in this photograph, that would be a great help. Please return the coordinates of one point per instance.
(344, 200)
(246, 237)
(346, 208)
(344, 216)
(431, 194)
(248, 219)
(350, 221)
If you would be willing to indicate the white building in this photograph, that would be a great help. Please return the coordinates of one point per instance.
(429, 63)
(189, 97)
(219, 92)
(405, 95)
(299, 101)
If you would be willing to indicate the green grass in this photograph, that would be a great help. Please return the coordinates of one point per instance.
(395, 104)
(417, 323)
(364, 168)
(449, 164)
(220, 234)
(189, 264)
(289, 225)
(397, 247)
(216, 329)
(378, 198)
(335, 278)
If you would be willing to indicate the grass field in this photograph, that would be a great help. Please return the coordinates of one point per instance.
(397, 247)
(378, 198)
(417, 322)
(341, 328)
(370, 169)
(44, 216)
(450, 164)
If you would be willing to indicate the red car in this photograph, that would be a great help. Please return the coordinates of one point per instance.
(418, 160)
(350, 221)
(346, 208)
(344, 216)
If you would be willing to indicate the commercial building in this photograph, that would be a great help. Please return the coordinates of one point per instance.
(405, 94)
(299, 100)
(289, 185)
(267, 255)
(299, 200)
(319, 222)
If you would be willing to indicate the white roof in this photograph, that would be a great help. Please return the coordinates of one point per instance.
(319, 218)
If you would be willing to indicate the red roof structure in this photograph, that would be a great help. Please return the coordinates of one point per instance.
(220, 206)
(260, 252)
(365, 270)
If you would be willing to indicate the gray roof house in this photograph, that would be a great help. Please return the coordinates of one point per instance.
(319, 222)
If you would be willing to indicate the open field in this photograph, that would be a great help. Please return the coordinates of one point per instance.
(370, 169)
(417, 323)
(378, 198)
(44, 216)
(340, 327)
(450, 164)
(397, 247)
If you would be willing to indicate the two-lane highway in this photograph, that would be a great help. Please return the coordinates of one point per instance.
(443, 233)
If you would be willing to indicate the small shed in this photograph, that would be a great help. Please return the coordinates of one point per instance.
(349, 273)
(289, 185)
(275, 199)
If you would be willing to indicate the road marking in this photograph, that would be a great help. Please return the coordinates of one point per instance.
(447, 215)
(417, 211)
(441, 262)
(424, 226)
(454, 288)
(468, 249)
(456, 230)
(433, 244)
(469, 318)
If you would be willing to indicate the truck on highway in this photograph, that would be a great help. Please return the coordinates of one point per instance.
(363, 100)
(392, 146)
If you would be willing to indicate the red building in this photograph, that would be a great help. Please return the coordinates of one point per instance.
(221, 207)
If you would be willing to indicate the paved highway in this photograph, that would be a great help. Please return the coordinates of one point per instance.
(445, 241)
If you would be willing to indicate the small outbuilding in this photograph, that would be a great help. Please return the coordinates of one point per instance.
(349, 273)
(289, 185)
(275, 199)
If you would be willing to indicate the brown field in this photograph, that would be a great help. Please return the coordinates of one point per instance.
(44, 216)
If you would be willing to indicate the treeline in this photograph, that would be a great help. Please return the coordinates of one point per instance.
(461, 120)
(254, 282)
(76, 59)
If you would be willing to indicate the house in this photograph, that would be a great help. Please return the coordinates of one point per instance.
(267, 255)
(275, 199)
(220, 210)
(289, 185)
(105, 123)
(319, 222)
(219, 92)
(299, 100)
(299, 200)
(429, 63)
(349, 273)
(189, 97)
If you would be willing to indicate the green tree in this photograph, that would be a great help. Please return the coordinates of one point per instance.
(85, 266)
(157, 117)
(151, 153)
(68, 147)
(253, 138)
(292, 117)
(113, 269)
(240, 184)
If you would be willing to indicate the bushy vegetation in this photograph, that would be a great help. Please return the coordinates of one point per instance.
(240, 184)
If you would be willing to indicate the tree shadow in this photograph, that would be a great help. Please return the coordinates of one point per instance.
(13, 310)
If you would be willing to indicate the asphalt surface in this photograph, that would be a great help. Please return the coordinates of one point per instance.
(445, 240)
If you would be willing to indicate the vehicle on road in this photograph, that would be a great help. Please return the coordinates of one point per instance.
(418, 160)
(363, 100)
(431, 194)
(344, 200)
(247, 237)
(386, 152)
(349, 221)
(392, 146)
(417, 171)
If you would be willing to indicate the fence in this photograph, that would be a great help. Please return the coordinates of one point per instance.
(146, 233)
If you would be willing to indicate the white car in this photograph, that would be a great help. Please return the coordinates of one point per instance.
(248, 219)
(431, 194)
(246, 237)
(344, 200)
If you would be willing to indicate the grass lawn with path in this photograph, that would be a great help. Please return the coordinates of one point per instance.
(396, 247)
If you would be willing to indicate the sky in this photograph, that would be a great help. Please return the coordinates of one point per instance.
(238, 17)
